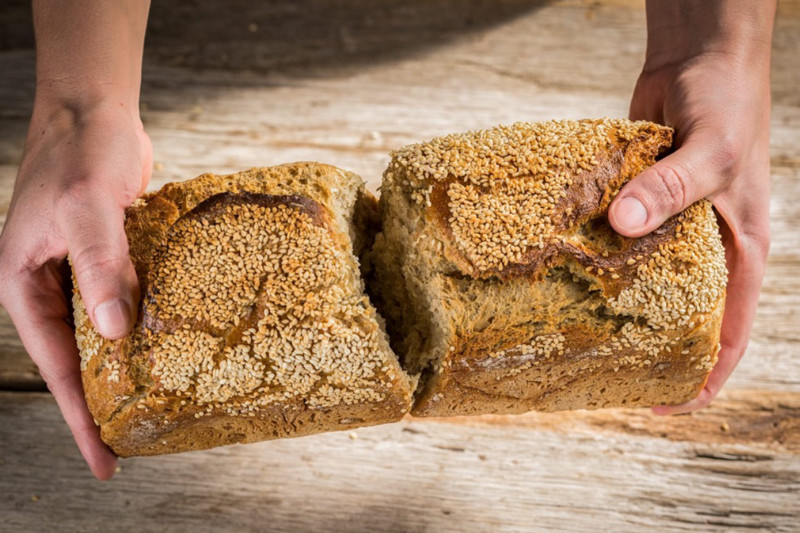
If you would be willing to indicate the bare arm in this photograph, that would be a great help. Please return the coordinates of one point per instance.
(707, 74)
(89, 52)
(86, 158)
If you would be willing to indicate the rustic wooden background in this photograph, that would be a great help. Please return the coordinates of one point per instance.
(233, 84)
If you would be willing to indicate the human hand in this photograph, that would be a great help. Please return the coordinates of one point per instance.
(707, 76)
(86, 159)
(80, 170)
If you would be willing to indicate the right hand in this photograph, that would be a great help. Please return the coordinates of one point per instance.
(707, 75)
(81, 167)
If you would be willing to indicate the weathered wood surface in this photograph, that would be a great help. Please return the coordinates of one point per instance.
(556, 472)
(229, 85)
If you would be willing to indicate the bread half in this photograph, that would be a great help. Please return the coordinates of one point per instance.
(502, 281)
(252, 322)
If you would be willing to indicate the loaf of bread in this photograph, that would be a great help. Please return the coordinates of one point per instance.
(252, 322)
(503, 287)
(502, 282)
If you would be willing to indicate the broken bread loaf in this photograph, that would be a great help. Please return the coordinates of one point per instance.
(502, 282)
(252, 322)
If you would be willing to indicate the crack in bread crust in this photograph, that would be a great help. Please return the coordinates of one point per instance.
(209, 210)
(213, 206)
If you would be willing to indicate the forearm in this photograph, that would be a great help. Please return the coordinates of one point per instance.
(89, 51)
(681, 29)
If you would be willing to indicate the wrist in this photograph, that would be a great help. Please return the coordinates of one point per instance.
(736, 31)
(89, 54)
(57, 100)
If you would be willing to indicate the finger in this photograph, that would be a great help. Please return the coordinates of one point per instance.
(38, 309)
(98, 247)
(745, 257)
(666, 188)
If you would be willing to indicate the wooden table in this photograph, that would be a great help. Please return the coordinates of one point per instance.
(229, 85)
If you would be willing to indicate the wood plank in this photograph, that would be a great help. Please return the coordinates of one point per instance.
(570, 474)
(756, 418)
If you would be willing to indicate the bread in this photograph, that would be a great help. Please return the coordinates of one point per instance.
(502, 282)
(252, 322)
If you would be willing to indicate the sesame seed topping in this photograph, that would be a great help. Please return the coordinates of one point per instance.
(686, 278)
(308, 340)
(498, 196)
(87, 338)
(503, 184)
(249, 300)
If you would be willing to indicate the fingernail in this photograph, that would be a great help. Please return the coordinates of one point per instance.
(112, 318)
(630, 214)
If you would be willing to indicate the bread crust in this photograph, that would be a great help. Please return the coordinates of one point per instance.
(140, 397)
(581, 318)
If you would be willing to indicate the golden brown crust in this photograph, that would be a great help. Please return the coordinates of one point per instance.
(536, 303)
(586, 196)
(476, 383)
(252, 323)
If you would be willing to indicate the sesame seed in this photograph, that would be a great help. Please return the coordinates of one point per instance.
(505, 183)
(686, 278)
(254, 305)
(499, 194)
(290, 270)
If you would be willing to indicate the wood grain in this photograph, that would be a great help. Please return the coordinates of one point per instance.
(233, 84)
(414, 476)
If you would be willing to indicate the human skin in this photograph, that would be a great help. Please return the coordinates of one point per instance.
(706, 74)
(87, 158)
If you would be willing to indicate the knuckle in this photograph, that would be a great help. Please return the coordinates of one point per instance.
(83, 431)
(751, 240)
(96, 262)
(673, 187)
(19, 261)
(728, 152)
(82, 199)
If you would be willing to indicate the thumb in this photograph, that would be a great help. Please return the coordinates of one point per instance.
(98, 247)
(663, 190)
